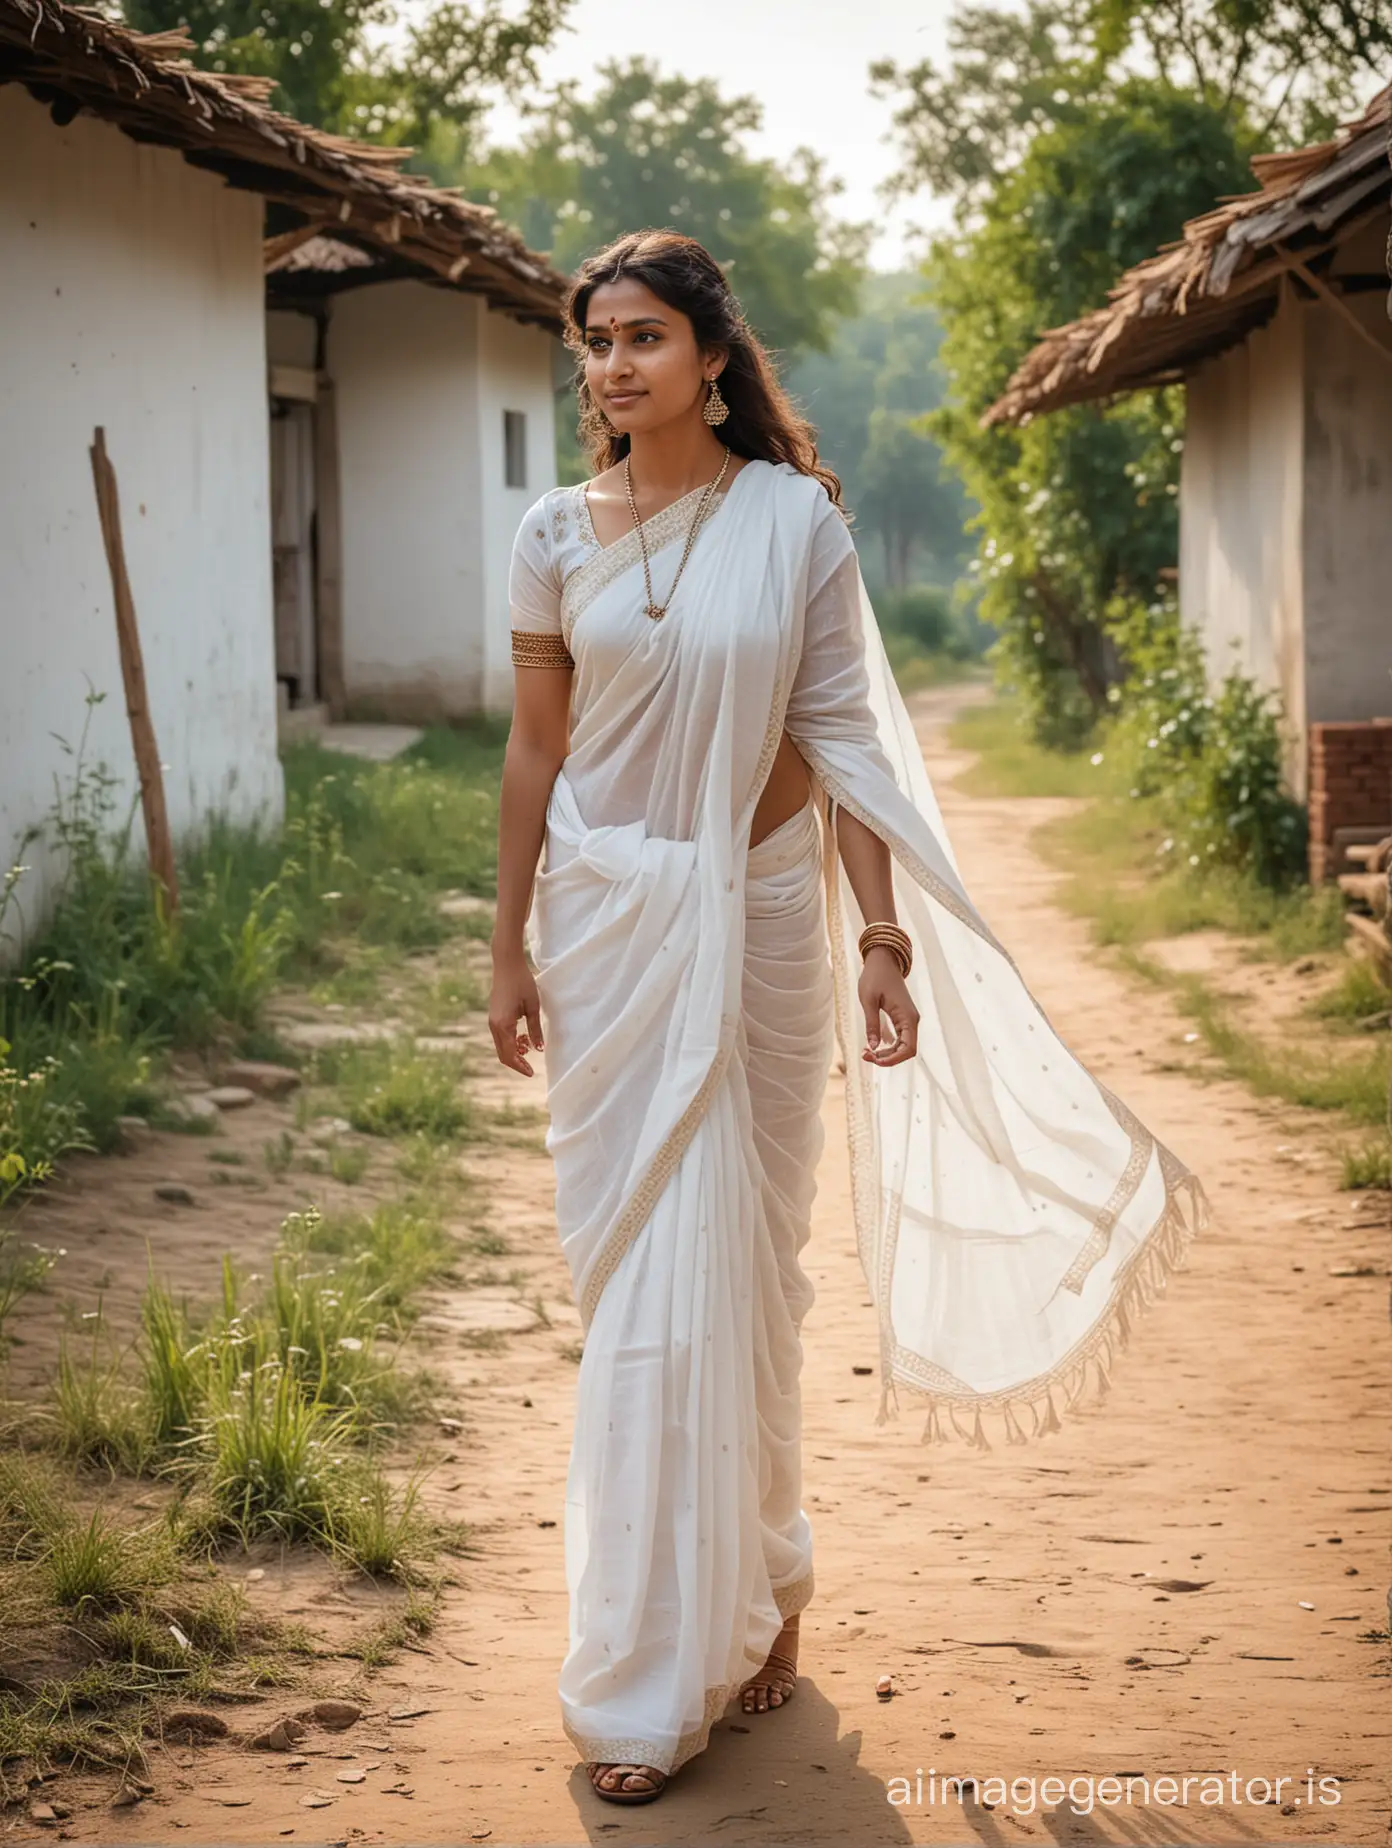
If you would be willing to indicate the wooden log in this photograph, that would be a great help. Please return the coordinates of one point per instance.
(158, 839)
(1369, 889)
(1369, 936)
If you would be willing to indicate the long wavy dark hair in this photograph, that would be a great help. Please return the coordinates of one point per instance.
(764, 424)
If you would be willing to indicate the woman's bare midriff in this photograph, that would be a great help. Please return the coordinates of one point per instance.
(784, 793)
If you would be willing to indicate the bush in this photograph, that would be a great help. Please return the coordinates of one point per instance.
(923, 613)
(1215, 762)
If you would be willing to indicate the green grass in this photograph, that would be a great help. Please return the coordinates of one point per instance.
(1318, 1077)
(126, 1621)
(394, 1089)
(1112, 850)
(1359, 997)
(380, 1646)
(109, 984)
(396, 1250)
(270, 1407)
(915, 667)
(104, 1565)
(1012, 764)
(1367, 1164)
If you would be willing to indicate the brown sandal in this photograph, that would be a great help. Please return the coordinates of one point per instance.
(627, 1796)
(783, 1685)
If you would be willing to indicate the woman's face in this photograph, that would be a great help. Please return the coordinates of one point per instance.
(642, 363)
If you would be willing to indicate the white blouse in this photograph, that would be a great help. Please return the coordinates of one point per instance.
(559, 567)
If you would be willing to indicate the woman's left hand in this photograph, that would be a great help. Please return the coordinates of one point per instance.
(883, 990)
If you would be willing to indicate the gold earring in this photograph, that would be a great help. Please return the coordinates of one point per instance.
(715, 410)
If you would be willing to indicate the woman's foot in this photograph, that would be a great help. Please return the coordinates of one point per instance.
(776, 1680)
(627, 1783)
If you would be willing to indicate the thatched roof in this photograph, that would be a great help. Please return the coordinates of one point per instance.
(75, 59)
(1221, 279)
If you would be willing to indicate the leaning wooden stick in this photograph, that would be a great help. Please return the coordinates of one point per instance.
(147, 760)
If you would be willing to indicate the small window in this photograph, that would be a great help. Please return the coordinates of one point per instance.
(515, 448)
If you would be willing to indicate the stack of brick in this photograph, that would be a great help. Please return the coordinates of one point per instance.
(1350, 789)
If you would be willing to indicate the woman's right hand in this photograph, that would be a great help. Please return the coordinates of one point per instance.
(514, 997)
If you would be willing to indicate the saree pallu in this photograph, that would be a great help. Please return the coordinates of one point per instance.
(1010, 1213)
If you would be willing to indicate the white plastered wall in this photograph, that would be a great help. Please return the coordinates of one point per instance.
(131, 296)
(1347, 539)
(517, 372)
(422, 376)
(1241, 513)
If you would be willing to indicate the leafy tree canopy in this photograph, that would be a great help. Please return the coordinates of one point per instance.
(1075, 137)
(651, 150)
(332, 66)
(1279, 69)
(1078, 508)
(867, 395)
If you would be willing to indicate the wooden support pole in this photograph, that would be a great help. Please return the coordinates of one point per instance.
(328, 597)
(1336, 302)
(147, 762)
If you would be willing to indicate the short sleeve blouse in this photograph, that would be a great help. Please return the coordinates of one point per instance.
(553, 539)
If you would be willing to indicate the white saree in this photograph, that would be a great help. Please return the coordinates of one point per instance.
(1011, 1214)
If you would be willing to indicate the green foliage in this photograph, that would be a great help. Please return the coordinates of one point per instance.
(110, 983)
(334, 65)
(1075, 137)
(102, 1564)
(923, 613)
(396, 1249)
(1215, 760)
(648, 149)
(1312, 1075)
(1077, 508)
(1360, 996)
(266, 1407)
(1367, 1164)
(1290, 67)
(393, 1089)
(867, 395)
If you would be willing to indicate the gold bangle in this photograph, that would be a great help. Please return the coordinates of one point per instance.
(889, 937)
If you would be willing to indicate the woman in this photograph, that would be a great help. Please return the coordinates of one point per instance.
(706, 731)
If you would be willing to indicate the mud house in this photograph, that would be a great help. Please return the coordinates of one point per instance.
(1273, 311)
(412, 424)
(141, 205)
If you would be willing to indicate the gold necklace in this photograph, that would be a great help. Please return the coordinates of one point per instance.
(655, 610)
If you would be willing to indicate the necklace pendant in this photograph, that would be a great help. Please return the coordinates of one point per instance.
(657, 612)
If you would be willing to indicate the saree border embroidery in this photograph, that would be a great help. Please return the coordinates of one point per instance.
(611, 561)
(790, 1599)
(1139, 1281)
(540, 648)
(638, 1208)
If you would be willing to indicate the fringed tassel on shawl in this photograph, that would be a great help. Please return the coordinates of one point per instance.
(1163, 1252)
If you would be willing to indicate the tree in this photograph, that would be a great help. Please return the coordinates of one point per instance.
(1078, 508)
(648, 150)
(1075, 138)
(1274, 68)
(429, 92)
(867, 395)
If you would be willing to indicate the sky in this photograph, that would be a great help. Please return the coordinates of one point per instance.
(805, 60)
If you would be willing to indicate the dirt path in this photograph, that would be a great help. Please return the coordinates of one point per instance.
(1245, 1446)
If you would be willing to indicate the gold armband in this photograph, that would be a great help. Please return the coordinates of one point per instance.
(539, 648)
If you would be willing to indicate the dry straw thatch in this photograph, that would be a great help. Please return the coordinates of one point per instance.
(75, 58)
(1220, 279)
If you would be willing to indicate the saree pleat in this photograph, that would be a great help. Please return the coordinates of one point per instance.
(686, 1541)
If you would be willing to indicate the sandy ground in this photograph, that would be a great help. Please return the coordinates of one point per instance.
(1244, 1449)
